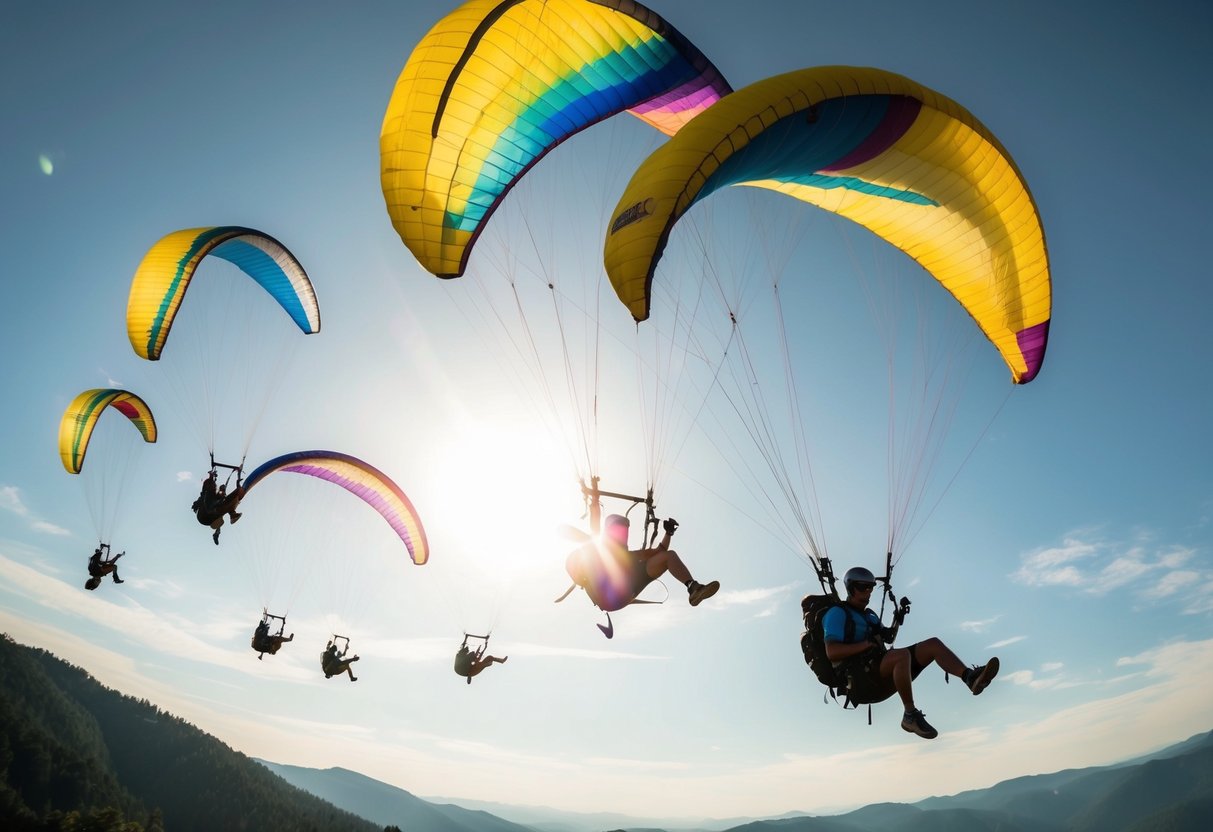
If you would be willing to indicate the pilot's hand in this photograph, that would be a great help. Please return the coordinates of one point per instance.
(670, 525)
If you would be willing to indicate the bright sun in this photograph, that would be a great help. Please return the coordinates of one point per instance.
(506, 489)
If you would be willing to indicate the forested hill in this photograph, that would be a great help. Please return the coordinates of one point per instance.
(76, 755)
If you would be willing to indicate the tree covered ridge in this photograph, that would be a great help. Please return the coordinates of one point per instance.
(78, 756)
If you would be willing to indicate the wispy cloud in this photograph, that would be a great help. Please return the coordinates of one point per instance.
(185, 476)
(767, 599)
(978, 626)
(636, 765)
(1172, 583)
(1055, 565)
(1096, 566)
(1004, 642)
(742, 597)
(10, 500)
(125, 617)
(49, 528)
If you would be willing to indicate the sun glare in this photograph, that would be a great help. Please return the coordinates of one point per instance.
(507, 490)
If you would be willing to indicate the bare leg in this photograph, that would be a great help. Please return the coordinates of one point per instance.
(896, 665)
(660, 562)
(934, 650)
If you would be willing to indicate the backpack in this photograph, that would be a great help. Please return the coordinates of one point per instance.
(812, 640)
(463, 661)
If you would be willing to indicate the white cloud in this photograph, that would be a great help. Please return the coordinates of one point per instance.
(1100, 567)
(767, 597)
(185, 476)
(1054, 565)
(1201, 599)
(1171, 583)
(1049, 667)
(49, 528)
(1176, 557)
(124, 616)
(1004, 642)
(1019, 677)
(742, 597)
(636, 765)
(978, 626)
(10, 500)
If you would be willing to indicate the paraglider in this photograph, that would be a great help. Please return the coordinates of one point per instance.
(869, 670)
(924, 175)
(469, 662)
(265, 642)
(106, 478)
(333, 661)
(214, 502)
(224, 334)
(475, 107)
(489, 92)
(100, 564)
(613, 576)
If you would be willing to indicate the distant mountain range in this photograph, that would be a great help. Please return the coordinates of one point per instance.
(1170, 790)
(75, 755)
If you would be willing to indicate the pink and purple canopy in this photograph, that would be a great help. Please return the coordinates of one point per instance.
(359, 478)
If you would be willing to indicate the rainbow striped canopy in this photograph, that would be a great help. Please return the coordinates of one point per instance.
(76, 426)
(496, 84)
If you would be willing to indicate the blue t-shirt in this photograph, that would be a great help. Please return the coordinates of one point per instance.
(834, 624)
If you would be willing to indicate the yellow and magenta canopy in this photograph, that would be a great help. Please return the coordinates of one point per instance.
(907, 163)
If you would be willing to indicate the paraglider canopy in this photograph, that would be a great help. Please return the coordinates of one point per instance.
(475, 106)
(902, 160)
(76, 426)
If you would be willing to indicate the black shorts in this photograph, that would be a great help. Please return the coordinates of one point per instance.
(865, 685)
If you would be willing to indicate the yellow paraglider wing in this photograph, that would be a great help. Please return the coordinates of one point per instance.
(165, 273)
(76, 426)
(496, 84)
(907, 163)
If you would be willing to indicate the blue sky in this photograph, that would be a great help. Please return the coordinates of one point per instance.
(1074, 543)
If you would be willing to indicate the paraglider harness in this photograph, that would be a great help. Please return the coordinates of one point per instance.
(99, 559)
(332, 656)
(850, 678)
(209, 506)
(466, 657)
(593, 499)
(261, 635)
